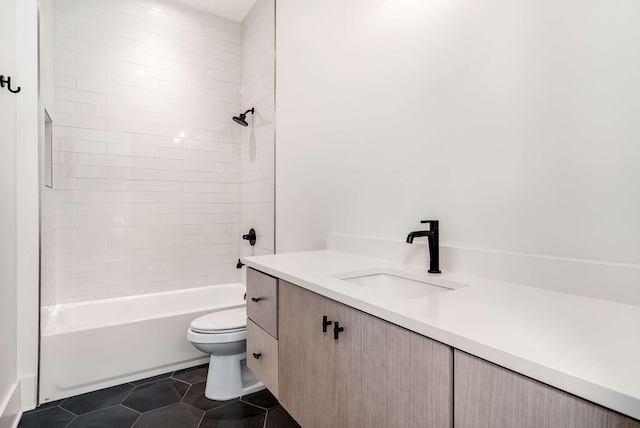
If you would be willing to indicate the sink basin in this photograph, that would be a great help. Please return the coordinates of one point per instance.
(398, 284)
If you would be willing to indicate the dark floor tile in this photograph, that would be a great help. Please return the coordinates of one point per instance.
(48, 405)
(263, 399)
(193, 375)
(195, 397)
(151, 379)
(111, 417)
(97, 400)
(279, 418)
(236, 415)
(151, 396)
(175, 416)
(54, 417)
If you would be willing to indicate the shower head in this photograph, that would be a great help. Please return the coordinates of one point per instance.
(241, 120)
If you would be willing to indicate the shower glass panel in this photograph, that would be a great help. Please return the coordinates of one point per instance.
(152, 184)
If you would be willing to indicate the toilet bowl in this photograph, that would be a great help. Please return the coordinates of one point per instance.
(223, 335)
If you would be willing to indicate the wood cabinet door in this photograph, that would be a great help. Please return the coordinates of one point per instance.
(306, 374)
(375, 375)
(489, 396)
(387, 376)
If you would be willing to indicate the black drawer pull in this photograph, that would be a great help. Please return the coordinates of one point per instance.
(336, 330)
(325, 323)
(257, 356)
(256, 299)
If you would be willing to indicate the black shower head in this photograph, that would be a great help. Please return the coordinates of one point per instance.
(241, 120)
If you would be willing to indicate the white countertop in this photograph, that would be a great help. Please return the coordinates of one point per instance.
(585, 346)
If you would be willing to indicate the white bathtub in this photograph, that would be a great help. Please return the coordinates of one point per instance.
(88, 346)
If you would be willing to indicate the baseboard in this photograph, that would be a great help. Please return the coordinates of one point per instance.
(616, 282)
(11, 407)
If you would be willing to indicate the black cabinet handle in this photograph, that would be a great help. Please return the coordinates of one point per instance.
(256, 299)
(325, 323)
(336, 330)
(257, 356)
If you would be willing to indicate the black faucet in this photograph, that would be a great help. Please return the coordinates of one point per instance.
(434, 244)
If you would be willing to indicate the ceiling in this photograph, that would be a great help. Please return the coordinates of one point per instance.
(235, 10)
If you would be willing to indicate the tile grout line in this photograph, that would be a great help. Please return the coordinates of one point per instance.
(127, 407)
(201, 418)
(255, 405)
(185, 394)
(136, 421)
(130, 392)
(68, 411)
(180, 380)
(94, 411)
(36, 410)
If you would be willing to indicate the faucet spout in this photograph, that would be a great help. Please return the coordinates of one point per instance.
(418, 234)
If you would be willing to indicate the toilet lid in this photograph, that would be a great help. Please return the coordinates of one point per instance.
(228, 321)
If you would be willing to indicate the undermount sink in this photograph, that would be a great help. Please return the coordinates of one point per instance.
(398, 284)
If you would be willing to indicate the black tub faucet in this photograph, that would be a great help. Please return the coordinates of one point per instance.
(434, 244)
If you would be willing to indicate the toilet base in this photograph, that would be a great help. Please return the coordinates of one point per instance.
(229, 377)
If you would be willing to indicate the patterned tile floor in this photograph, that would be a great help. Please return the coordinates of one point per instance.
(172, 400)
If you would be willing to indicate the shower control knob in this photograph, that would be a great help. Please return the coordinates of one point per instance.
(257, 356)
(325, 323)
(251, 237)
(256, 299)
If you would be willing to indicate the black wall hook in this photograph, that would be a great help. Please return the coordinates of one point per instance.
(7, 81)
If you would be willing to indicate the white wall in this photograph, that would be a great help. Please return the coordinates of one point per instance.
(19, 210)
(512, 122)
(8, 277)
(148, 160)
(27, 200)
(258, 145)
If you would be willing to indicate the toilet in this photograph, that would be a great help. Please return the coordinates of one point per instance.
(223, 335)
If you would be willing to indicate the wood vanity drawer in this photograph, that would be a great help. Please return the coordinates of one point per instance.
(262, 301)
(262, 356)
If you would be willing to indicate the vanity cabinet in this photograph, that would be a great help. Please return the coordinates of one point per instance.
(375, 374)
(489, 396)
(262, 328)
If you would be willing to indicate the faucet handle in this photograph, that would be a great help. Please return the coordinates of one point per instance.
(433, 224)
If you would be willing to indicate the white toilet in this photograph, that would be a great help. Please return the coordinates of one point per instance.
(223, 335)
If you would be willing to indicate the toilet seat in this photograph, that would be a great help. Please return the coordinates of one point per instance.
(195, 337)
(222, 322)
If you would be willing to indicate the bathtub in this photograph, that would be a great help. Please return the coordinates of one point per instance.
(92, 345)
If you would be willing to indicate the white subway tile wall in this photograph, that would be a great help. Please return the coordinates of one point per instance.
(258, 139)
(148, 176)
